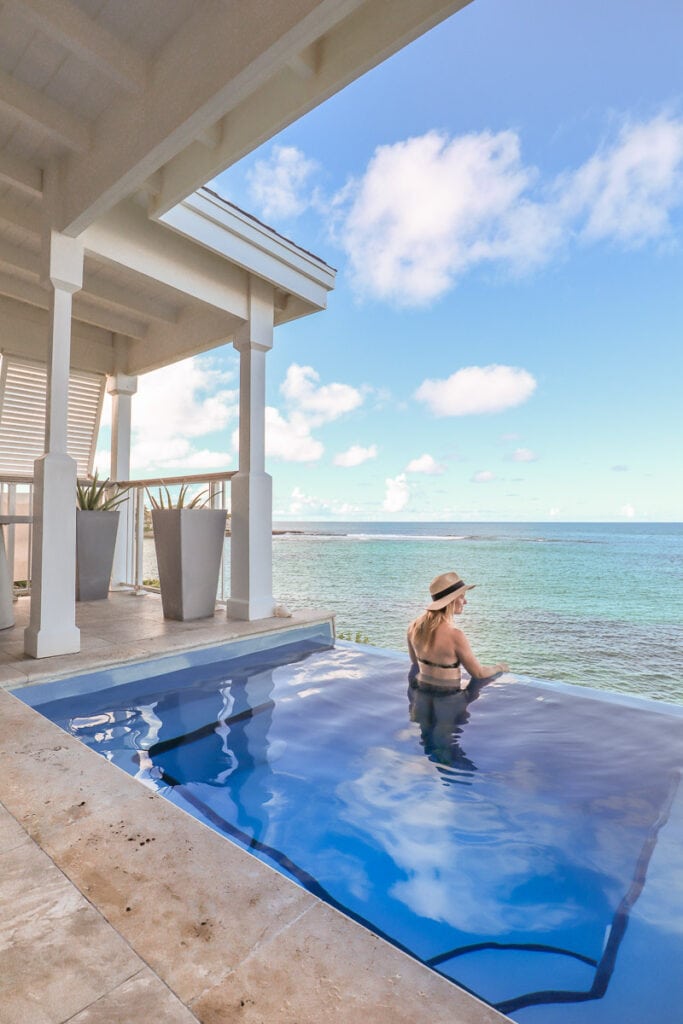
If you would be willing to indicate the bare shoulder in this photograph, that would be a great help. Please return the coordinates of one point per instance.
(458, 637)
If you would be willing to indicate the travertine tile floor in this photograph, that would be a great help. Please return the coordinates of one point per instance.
(116, 906)
(61, 960)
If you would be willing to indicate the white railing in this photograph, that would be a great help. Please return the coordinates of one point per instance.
(135, 529)
(16, 498)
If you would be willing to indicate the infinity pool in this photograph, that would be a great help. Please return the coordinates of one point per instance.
(523, 839)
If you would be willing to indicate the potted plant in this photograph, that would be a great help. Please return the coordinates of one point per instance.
(97, 523)
(188, 539)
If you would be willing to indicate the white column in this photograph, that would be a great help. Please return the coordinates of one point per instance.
(251, 541)
(52, 628)
(122, 387)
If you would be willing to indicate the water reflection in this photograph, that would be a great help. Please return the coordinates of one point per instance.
(229, 753)
(442, 716)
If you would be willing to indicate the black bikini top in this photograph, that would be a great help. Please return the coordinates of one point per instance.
(435, 664)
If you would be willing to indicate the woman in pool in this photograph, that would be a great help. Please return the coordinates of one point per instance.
(437, 648)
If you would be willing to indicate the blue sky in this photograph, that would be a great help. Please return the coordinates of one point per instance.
(503, 201)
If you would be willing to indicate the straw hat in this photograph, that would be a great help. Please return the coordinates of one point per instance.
(445, 588)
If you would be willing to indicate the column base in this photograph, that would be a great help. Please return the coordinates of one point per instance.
(52, 627)
(44, 643)
(248, 611)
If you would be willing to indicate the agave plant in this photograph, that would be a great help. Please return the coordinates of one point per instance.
(93, 496)
(165, 501)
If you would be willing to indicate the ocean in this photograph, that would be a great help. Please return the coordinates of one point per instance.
(597, 604)
(594, 604)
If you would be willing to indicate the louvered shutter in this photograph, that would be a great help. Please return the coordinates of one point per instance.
(86, 393)
(23, 391)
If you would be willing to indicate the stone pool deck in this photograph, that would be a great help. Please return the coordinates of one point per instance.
(117, 906)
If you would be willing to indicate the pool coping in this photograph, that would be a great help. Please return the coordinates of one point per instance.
(205, 928)
(43, 691)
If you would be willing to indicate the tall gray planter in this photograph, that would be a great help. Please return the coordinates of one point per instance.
(95, 543)
(189, 544)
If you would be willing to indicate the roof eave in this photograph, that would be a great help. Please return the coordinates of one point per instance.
(215, 224)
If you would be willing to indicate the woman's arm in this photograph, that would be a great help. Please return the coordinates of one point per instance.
(469, 660)
(411, 649)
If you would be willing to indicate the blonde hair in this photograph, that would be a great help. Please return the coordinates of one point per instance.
(427, 624)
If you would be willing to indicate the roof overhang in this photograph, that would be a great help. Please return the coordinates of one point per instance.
(100, 101)
(302, 279)
(157, 292)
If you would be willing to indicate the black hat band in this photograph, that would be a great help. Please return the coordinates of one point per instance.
(448, 590)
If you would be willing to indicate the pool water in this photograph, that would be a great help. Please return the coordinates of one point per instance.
(523, 839)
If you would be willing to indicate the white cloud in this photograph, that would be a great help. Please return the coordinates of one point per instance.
(523, 455)
(430, 207)
(173, 409)
(277, 185)
(299, 503)
(477, 389)
(355, 455)
(290, 439)
(309, 405)
(102, 462)
(397, 494)
(178, 454)
(626, 192)
(628, 511)
(318, 403)
(425, 464)
(554, 511)
(184, 399)
(484, 476)
(621, 468)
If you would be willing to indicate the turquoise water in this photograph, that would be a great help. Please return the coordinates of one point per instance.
(597, 604)
(589, 603)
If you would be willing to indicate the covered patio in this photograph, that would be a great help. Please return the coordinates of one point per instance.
(210, 276)
(111, 263)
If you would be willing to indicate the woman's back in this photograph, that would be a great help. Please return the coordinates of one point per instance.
(440, 647)
(435, 654)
